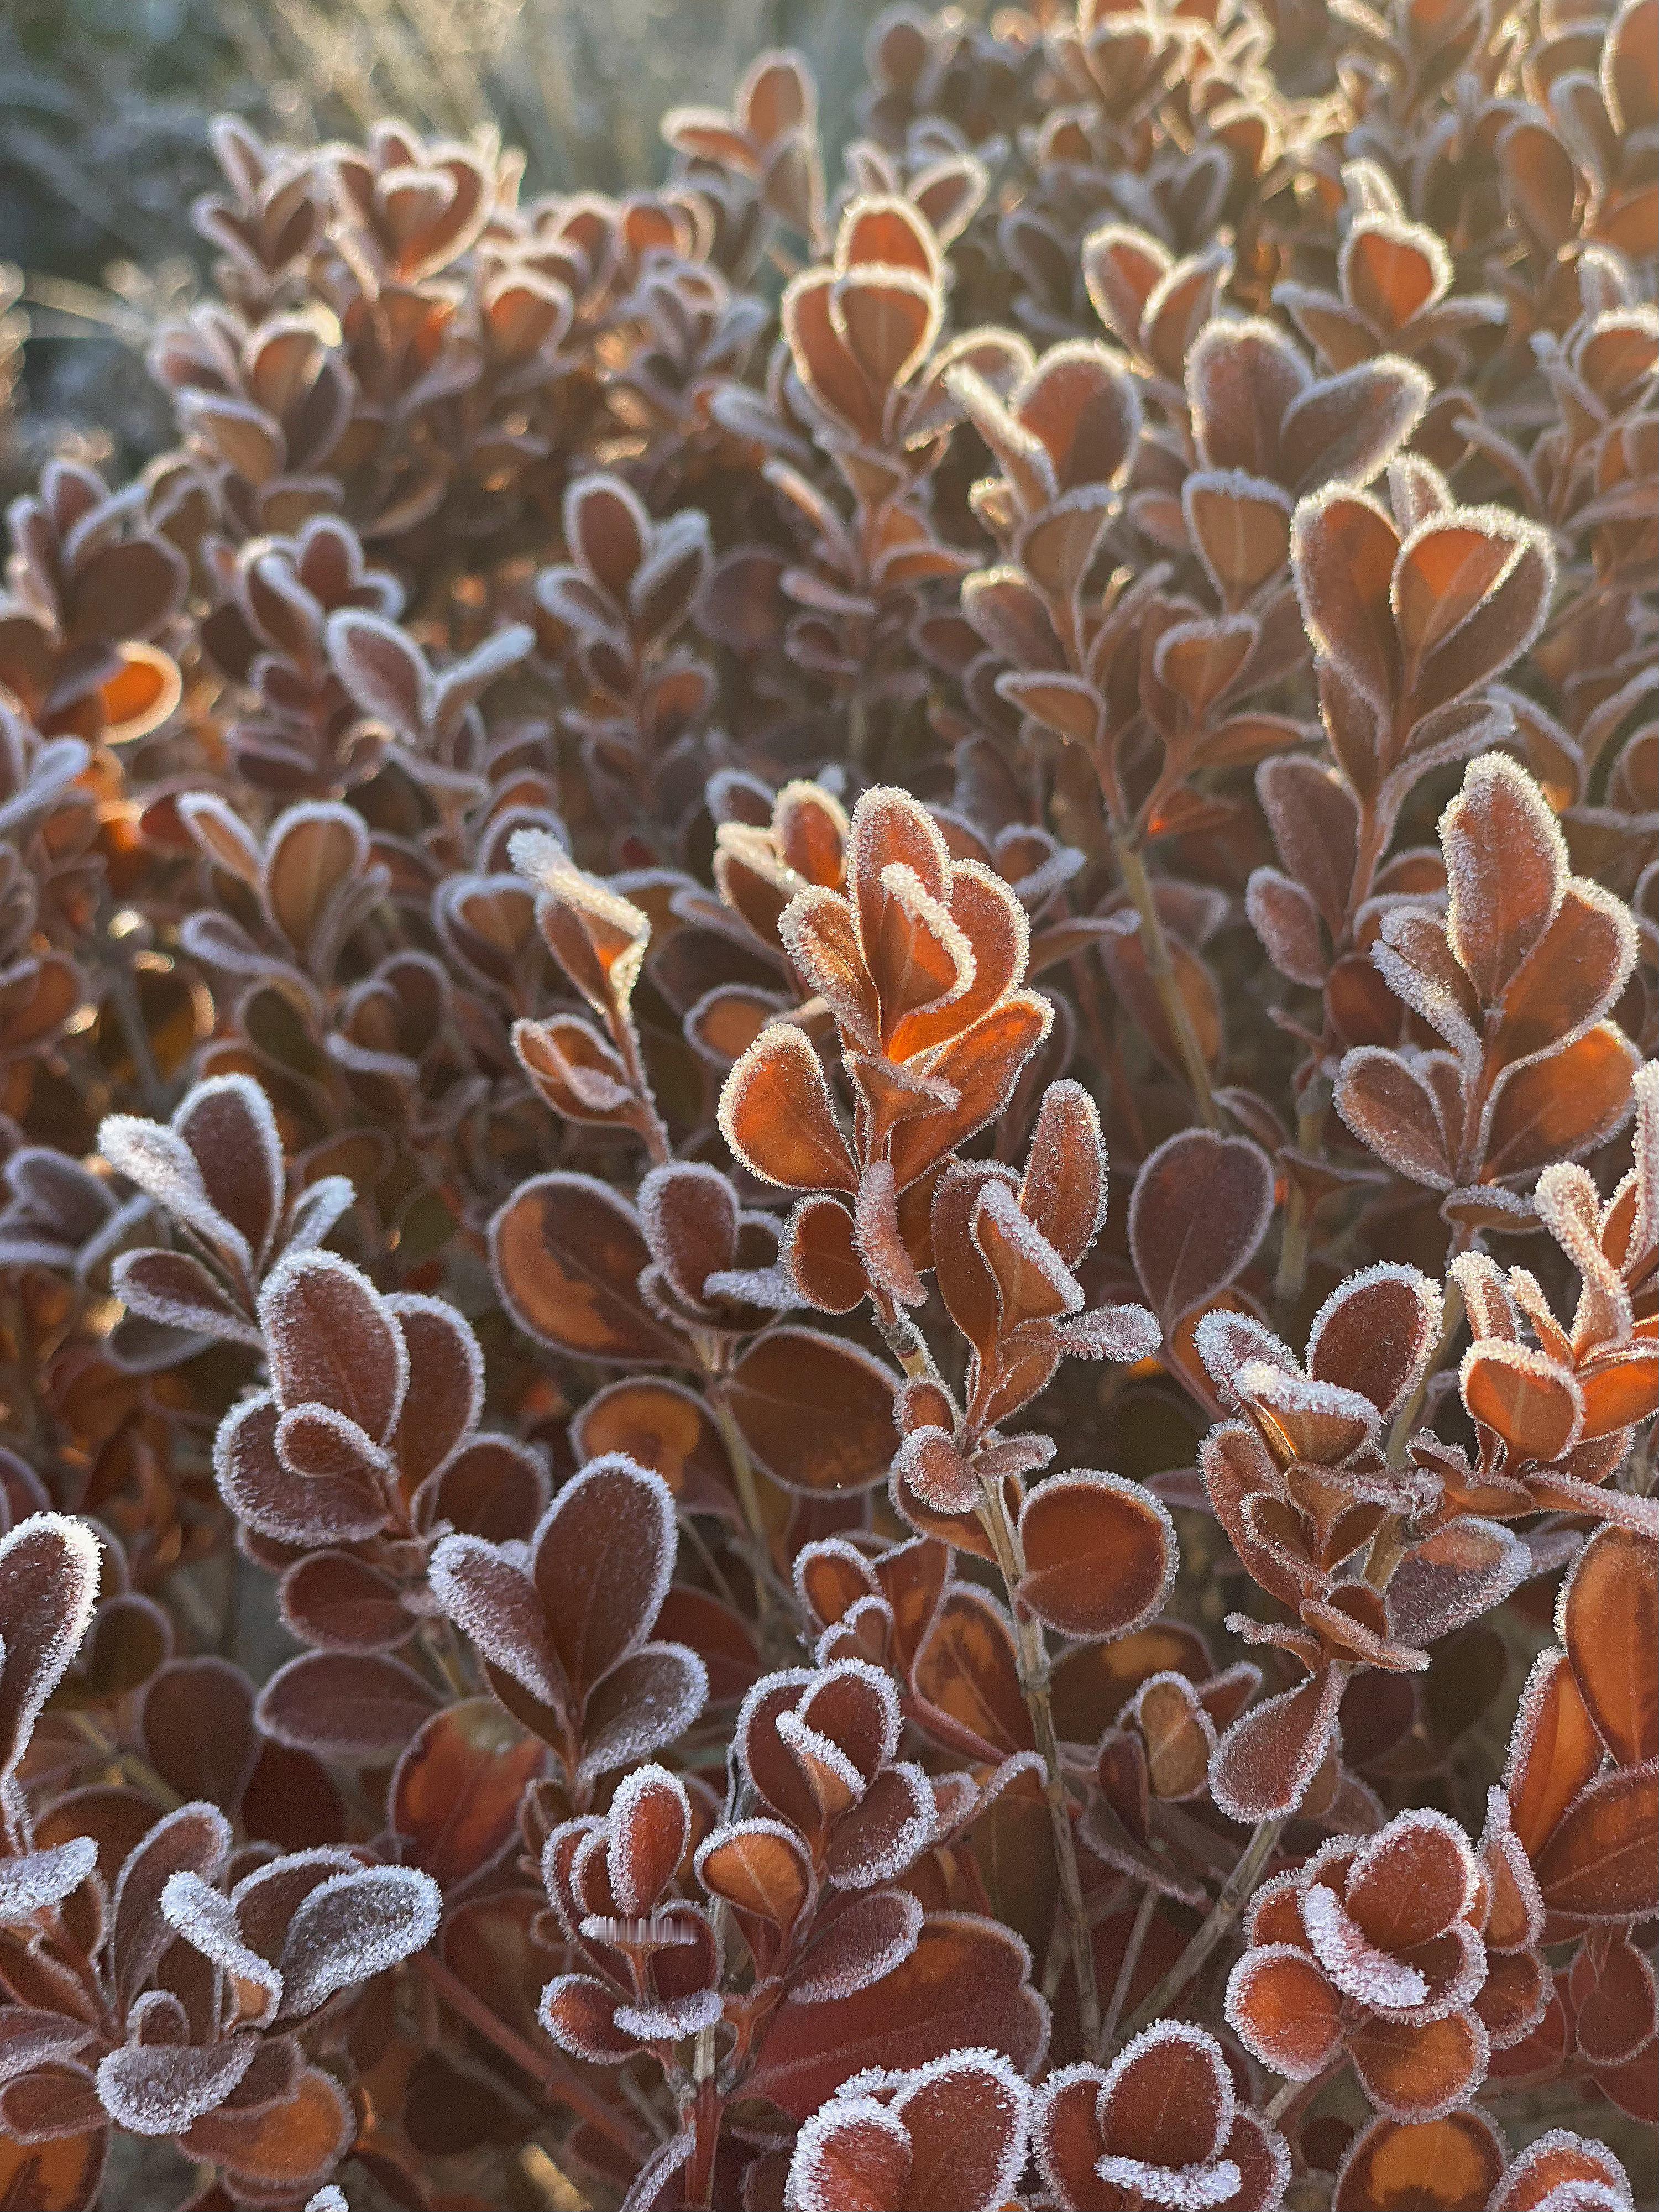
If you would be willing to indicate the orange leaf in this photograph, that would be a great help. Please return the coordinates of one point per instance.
(1610, 1625)
(816, 1412)
(1100, 1554)
(1435, 2166)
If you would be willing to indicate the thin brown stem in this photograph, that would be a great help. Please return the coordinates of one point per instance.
(1292, 2097)
(908, 1346)
(1235, 1894)
(1126, 1973)
(1032, 1654)
(1292, 1273)
(545, 2069)
(626, 1038)
(758, 1547)
(1409, 1414)
(1160, 967)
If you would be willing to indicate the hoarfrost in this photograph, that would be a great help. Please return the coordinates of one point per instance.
(1357, 1967)
(38, 1879)
(159, 2089)
(353, 1926)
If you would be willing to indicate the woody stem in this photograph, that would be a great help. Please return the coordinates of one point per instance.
(1160, 967)
(1235, 1895)
(1293, 1250)
(1032, 1654)
(626, 1038)
(907, 1343)
(548, 2071)
(1451, 1321)
(1126, 1973)
(748, 1489)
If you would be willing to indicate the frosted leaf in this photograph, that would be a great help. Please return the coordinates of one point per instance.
(1500, 839)
(318, 1445)
(196, 1837)
(160, 2088)
(1397, 1311)
(163, 1164)
(229, 1124)
(176, 1290)
(850, 2141)
(929, 917)
(562, 1857)
(438, 1325)
(856, 1691)
(29, 2039)
(316, 1210)
(207, 1921)
(1298, 2057)
(771, 1287)
(1452, 1576)
(826, 1765)
(1318, 1420)
(646, 1701)
(1502, 1855)
(1357, 1967)
(382, 668)
(1266, 1761)
(958, 1800)
(1643, 1233)
(613, 1501)
(1405, 955)
(1188, 2188)
(49, 1574)
(868, 1614)
(1000, 2095)
(1122, 1334)
(38, 1879)
(677, 1204)
(930, 1463)
(670, 2018)
(1568, 1203)
(997, 1210)
(875, 1234)
(457, 687)
(648, 1832)
(330, 1340)
(496, 1605)
(835, 1554)
(876, 1934)
(1181, 2034)
(1417, 1825)
(1227, 1342)
(746, 1861)
(578, 2012)
(884, 1835)
(353, 1926)
(295, 1509)
(332, 2199)
(1590, 2177)
(1492, 1312)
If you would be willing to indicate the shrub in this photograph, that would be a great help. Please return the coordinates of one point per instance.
(623, 1577)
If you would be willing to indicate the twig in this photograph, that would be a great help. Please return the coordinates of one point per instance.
(549, 2072)
(1160, 967)
(1405, 1422)
(1235, 1894)
(1126, 1973)
(1292, 1271)
(1033, 1658)
(769, 1592)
